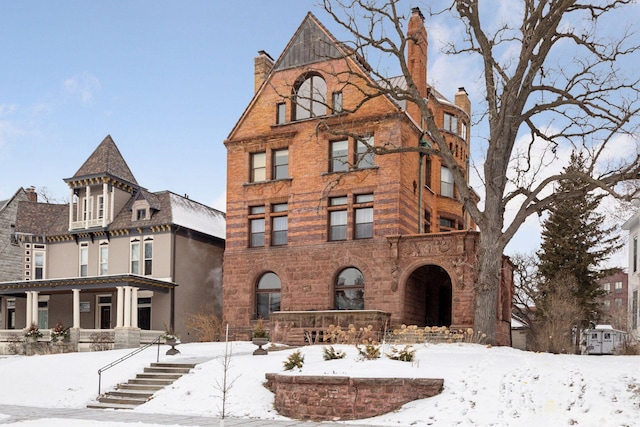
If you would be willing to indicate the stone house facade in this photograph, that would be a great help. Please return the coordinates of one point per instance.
(116, 257)
(319, 229)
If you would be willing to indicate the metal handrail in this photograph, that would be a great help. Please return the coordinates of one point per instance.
(123, 358)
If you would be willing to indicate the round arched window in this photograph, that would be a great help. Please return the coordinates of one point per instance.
(350, 290)
(311, 98)
(268, 295)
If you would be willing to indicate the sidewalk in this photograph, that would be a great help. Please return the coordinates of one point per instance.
(33, 414)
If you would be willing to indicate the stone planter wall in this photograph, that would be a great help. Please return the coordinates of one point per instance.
(330, 398)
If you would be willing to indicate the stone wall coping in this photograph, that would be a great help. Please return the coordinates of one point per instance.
(309, 312)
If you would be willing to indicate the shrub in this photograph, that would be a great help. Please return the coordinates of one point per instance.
(370, 351)
(407, 354)
(206, 327)
(295, 360)
(330, 353)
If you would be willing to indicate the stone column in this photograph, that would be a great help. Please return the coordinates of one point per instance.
(134, 307)
(119, 307)
(76, 308)
(127, 306)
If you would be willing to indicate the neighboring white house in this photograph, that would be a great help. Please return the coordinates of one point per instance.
(633, 227)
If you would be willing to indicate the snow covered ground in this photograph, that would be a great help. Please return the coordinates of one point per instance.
(482, 386)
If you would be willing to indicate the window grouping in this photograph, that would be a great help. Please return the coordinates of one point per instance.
(103, 260)
(279, 165)
(346, 154)
(361, 212)
(277, 219)
(348, 292)
(141, 256)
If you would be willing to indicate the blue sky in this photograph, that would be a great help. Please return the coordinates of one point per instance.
(167, 80)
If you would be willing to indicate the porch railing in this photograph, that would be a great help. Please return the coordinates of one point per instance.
(127, 356)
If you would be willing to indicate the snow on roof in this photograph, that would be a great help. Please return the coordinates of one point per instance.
(198, 217)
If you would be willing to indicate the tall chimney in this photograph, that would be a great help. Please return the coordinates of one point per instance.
(32, 196)
(417, 57)
(263, 63)
(462, 101)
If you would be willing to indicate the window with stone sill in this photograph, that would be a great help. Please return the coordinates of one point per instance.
(267, 295)
(349, 290)
(258, 167)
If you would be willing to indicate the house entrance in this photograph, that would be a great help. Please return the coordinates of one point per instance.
(104, 311)
(428, 297)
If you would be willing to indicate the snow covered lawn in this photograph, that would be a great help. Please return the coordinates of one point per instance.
(482, 386)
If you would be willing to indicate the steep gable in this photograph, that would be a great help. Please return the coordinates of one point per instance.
(106, 160)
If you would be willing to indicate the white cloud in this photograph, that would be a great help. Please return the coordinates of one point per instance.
(6, 109)
(83, 85)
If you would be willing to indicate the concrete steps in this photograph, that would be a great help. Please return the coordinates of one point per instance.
(140, 389)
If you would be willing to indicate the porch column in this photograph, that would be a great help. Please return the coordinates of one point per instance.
(105, 203)
(127, 306)
(27, 320)
(34, 310)
(134, 307)
(76, 308)
(119, 307)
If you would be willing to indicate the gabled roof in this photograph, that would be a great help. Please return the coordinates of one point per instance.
(5, 203)
(106, 160)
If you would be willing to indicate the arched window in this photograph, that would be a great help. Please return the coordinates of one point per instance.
(310, 97)
(350, 290)
(268, 295)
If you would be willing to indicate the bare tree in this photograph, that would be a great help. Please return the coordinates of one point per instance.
(551, 80)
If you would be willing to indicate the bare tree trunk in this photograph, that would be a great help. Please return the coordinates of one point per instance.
(488, 285)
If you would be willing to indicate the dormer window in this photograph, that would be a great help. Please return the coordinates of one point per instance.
(141, 214)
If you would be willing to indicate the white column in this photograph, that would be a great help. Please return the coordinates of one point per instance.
(29, 308)
(119, 307)
(134, 307)
(70, 207)
(76, 308)
(105, 203)
(34, 310)
(112, 204)
(127, 306)
(88, 207)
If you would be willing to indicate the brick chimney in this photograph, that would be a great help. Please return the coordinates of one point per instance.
(32, 196)
(263, 63)
(462, 101)
(417, 57)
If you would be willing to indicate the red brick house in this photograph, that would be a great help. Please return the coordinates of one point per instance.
(319, 229)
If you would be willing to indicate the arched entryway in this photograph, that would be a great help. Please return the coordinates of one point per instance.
(428, 297)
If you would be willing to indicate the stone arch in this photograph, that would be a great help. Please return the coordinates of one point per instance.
(255, 275)
(336, 267)
(428, 295)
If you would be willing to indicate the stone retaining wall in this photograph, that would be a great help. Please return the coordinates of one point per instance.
(331, 398)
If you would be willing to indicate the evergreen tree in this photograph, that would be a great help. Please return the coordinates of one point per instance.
(575, 241)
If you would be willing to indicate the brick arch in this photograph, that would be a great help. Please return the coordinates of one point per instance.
(427, 290)
(352, 261)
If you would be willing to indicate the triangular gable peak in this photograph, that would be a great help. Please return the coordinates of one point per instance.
(310, 44)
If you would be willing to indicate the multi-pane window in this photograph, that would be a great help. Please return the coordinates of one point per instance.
(618, 302)
(256, 226)
(606, 287)
(135, 257)
(104, 259)
(339, 156)
(338, 218)
(618, 287)
(38, 265)
(258, 167)
(279, 224)
(337, 102)
(100, 207)
(349, 290)
(86, 208)
(148, 257)
(141, 214)
(268, 295)
(607, 304)
(280, 164)
(446, 182)
(311, 98)
(364, 153)
(363, 209)
(450, 123)
(281, 111)
(447, 224)
(84, 259)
